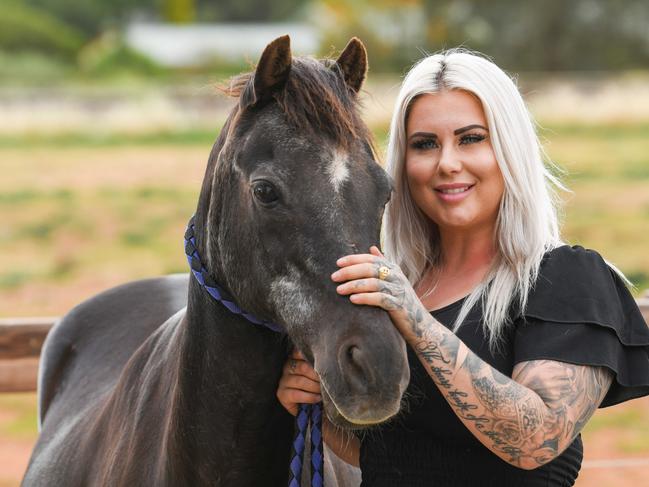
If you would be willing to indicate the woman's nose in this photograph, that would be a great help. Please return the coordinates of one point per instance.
(449, 161)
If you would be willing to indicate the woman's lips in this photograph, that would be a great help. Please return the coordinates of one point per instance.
(452, 193)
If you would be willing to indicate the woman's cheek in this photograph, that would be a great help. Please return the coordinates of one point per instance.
(418, 170)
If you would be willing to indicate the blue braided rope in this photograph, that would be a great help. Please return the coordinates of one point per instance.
(317, 455)
(297, 456)
(217, 292)
(308, 415)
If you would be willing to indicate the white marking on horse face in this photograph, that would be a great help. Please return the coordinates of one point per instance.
(292, 300)
(338, 169)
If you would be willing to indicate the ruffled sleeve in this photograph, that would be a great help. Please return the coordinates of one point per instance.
(581, 312)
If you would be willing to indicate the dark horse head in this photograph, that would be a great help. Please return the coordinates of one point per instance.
(292, 184)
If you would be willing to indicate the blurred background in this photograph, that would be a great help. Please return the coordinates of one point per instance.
(108, 110)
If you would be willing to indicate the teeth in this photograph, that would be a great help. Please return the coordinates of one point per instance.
(454, 191)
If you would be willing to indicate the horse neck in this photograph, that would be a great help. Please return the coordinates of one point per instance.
(226, 412)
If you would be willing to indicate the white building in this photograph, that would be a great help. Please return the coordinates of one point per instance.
(189, 45)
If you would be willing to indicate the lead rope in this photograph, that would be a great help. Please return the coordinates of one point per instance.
(309, 415)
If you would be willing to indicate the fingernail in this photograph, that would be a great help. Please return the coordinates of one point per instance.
(334, 276)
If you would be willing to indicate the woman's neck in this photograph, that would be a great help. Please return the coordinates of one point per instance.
(467, 252)
(466, 259)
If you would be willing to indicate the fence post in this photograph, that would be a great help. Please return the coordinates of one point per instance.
(21, 340)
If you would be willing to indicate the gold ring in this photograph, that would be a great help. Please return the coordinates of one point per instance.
(384, 272)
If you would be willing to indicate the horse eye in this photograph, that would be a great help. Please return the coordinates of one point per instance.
(265, 192)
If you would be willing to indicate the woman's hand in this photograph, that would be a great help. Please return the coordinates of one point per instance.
(393, 293)
(299, 383)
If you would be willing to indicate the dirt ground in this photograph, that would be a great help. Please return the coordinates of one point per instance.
(616, 449)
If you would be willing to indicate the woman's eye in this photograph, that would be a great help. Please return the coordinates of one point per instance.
(472, 139)
(265, 192)
(424, 144)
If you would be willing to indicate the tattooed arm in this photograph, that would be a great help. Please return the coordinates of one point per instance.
(528, 419)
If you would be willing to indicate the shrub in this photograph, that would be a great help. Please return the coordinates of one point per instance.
(24, 28)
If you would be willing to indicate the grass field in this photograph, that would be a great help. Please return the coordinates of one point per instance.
(80, 214)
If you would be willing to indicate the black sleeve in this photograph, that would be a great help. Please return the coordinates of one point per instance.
(581, 312)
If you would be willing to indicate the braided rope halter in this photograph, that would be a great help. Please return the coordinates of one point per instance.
(308, 414)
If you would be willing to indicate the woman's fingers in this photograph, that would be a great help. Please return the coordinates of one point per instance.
(356, 271)
(300, 368)
(297, 354)
(300, 382)
(355, 259)
(374, 250)
(363, 286)
(290, 398)
(380, 300)
(360, 258)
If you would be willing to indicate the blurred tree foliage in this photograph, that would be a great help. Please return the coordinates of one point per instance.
(544, 36)
(93, 16)
(108, 56)
(179, 11)
(249, 10)
(548, 36)
(23, 28)
(390, 29)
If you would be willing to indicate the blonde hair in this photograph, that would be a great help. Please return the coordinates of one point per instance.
(527, 224)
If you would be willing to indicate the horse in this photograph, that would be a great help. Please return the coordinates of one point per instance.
(155, 383)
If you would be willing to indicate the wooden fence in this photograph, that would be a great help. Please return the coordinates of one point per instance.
(21, 340)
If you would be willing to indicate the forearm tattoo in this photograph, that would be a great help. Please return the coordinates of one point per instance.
(528, 419)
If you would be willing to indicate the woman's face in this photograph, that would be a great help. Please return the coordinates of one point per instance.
(451, 168)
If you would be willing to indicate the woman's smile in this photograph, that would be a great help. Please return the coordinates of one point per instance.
(452, 171)
(453, 192)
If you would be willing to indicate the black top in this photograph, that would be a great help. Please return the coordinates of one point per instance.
(579, 312)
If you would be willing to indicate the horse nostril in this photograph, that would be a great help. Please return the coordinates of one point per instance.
(350, 352)
(355, 368)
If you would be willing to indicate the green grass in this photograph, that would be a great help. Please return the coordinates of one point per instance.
(21, 408)
(66, 140)
(56, 239)
(600, 153)
(614, 418)
(12, 279)
(124, 214)
(628, 421)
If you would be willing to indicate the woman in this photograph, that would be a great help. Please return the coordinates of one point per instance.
(514, 339)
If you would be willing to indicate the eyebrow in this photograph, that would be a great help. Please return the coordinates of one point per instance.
(455, 132)
(469, 127)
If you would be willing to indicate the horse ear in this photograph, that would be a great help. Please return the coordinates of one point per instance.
(353, 63)
(272, 71)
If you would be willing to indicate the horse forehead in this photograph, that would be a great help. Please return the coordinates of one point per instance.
(271, 126)
(337, 168)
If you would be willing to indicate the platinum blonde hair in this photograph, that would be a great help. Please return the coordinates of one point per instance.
(527, 224)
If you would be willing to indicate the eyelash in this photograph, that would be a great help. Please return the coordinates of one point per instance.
(423, 144)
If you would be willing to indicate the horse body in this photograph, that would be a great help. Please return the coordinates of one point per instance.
(137, 389)
(136, 423)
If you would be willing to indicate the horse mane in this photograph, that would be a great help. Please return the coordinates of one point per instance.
(315, 99)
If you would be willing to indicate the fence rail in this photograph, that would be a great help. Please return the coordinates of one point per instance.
(21, 340)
